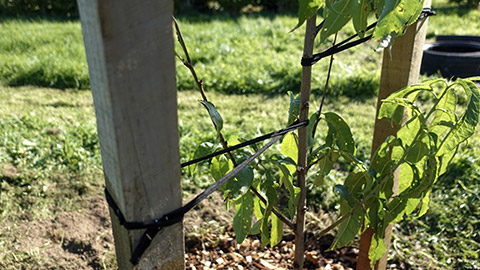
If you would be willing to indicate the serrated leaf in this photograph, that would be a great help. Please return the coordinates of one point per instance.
(294, 109)
(286, 178)
(325, 165)
(465, 127)
(336, 16)
(403, 97)
(293, 202)
(220, 166)
(277, 231)
(289, 148)
(256, 227)
(269, 188)
(306, 9)
(239, 185)
(258, 208)
(418, 151)
(343, 135)
(424, 204)
(343, 191)
(360, 10)
(214, 114)
(396, 16)
(377, 249)
(378, 6)
(203, 149)
(265, 232)
(355, 183)
(348, 229)
(242, 220)
(311, 124)
(444, 114)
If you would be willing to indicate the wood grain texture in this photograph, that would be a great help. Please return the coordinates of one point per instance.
(130, 55)
(400, 68)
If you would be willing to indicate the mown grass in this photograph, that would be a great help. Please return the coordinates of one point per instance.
(257, 54)
(49, 150)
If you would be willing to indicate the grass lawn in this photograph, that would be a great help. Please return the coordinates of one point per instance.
(49, 156)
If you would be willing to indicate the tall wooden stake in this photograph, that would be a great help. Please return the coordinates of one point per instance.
(302, 145)
(400, 68)
(130, 55)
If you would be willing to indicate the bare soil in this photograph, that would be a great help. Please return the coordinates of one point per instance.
(83, 240)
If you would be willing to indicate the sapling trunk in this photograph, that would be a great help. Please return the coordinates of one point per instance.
(302, 145)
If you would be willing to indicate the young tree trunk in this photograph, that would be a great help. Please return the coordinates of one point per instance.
(302, 146)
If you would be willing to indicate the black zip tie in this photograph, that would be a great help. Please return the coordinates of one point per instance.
(280, 132)
(175, 216)
(332, 50)
(426, 12)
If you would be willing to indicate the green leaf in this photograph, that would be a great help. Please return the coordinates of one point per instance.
(360, 10)
(377, 249)
(269, 188)
(396, 16)
(445, 117)
(265, 232)
(343, 135)
(287, 179)
(277, 231)
(378, 6)
(239, 185)
(336, 16)
(418, 151)
(381, 162)
(343, 191)
(306, 9)
(355, 183)
(311, 124)
(294, 109)
(424, 206)
(465, 127)
(289, 148)
(203, 149)
(256, 227)
(326, 165)
(348, 229)
(293, 202)
(242, 220)
(258, 208)
(220, 166)
(214, 114)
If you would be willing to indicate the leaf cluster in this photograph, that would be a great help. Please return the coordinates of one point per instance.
(393, 17)
(418, 154)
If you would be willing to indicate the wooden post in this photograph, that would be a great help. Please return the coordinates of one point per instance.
(130, 55)
(400, 68)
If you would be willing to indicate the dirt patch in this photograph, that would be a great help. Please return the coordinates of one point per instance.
(73, 240)
(83, 240)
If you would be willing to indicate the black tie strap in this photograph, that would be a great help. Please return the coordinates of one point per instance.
(175, 216)
(344, 45)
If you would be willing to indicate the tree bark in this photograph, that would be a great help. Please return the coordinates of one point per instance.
(302, 145)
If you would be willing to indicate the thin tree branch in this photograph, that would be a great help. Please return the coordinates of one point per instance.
(188, 63)
(324, 94)
(303, 146)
